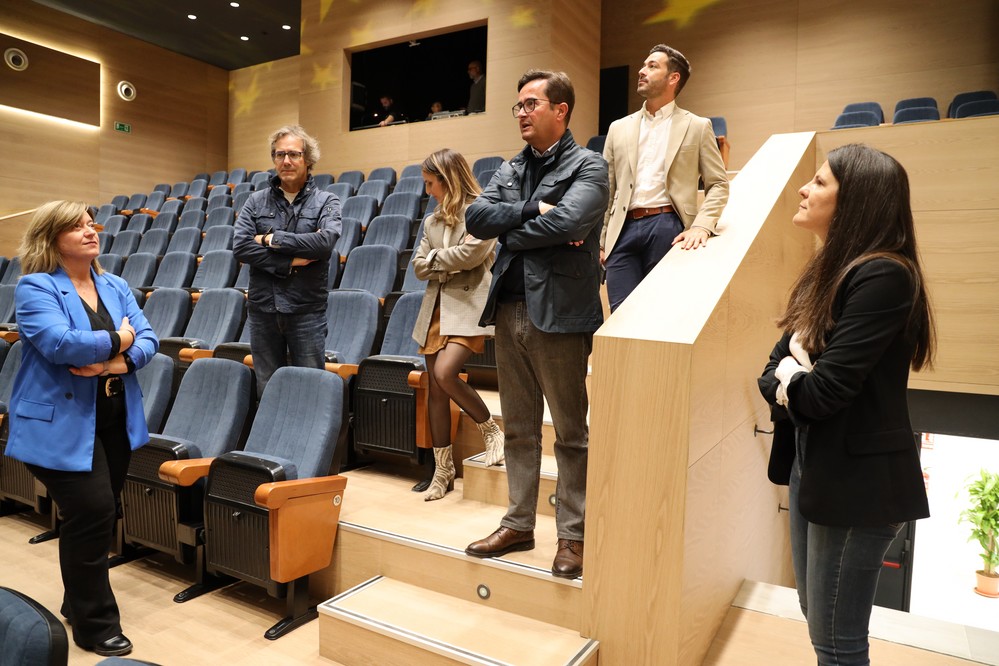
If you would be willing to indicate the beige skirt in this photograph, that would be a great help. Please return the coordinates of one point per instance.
(436, 342)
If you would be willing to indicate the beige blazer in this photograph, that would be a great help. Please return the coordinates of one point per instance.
(691, 151)
(457, 268)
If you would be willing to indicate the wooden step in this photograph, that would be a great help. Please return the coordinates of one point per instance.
(468, 441)
(385, 621)
(387, 530)
(489, 484)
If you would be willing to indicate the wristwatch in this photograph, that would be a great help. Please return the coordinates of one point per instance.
(129, 364)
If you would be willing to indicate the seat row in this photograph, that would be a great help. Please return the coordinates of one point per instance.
(919, 109)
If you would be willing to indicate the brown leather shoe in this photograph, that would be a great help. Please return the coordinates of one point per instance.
(502, 541)
(569, 559)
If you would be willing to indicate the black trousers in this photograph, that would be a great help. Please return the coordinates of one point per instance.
(88, 508)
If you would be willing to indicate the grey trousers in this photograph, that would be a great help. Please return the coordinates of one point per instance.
(533, 366)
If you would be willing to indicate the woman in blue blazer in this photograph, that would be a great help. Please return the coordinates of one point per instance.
(76, 407)
(856, 320)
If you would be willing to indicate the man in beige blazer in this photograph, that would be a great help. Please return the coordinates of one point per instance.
(654, 158)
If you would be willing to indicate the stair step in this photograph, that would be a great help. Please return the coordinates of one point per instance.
(387, 530)
(386, 621)
(489, 484)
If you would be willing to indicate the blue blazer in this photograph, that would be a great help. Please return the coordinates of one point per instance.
(53, 413)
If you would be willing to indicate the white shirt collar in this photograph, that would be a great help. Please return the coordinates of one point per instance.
(664, 112)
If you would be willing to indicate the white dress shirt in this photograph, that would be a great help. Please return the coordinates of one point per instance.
(650, 172)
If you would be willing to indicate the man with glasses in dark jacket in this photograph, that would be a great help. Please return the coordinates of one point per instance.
(286, 233)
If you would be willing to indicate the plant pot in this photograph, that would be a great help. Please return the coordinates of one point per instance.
(988, 584)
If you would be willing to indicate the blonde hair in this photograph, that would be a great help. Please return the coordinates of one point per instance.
(460, 186)
(39, 252)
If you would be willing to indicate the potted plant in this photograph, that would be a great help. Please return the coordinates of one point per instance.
(983, 514)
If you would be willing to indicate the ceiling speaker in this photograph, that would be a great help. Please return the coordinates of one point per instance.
(126, 91)
(15, 59)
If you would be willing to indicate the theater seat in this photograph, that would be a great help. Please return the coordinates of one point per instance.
(217, 318)
(156, 383)
(30, 635)
(261, 502)
(372, 268)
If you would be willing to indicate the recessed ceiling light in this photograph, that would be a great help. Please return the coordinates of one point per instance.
(245, 38)
(234, 4)
(192, 16)
(286, 27)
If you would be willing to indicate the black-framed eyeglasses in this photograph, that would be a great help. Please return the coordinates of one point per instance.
(528, 106)
(293, 155)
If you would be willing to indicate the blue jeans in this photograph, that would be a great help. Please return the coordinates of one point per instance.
(837, 570)
(279, 339)
(533, 366)
(642, 244)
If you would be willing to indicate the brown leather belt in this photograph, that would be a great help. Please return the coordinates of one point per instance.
(639, 213)
(110, 386)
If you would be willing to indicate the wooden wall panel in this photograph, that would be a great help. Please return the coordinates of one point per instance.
(520, 36)
(263, 98)
(178, 118)
(772, 66)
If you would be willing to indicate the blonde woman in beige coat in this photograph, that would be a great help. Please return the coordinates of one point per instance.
(456, 268)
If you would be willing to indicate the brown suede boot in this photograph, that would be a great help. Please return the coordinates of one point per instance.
(493, 437)
(443, 480)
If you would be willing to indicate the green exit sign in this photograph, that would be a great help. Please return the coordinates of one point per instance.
(122, 127)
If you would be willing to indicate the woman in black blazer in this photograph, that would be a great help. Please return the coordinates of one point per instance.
(856, 320)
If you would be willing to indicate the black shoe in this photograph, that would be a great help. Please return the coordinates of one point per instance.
(422, 485)
(112, 647)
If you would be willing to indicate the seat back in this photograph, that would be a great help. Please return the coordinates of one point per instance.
(402, 204)
(872, 107)
(29, 633)
(218, 269)
(483, 177)
(139, 222)
(718, 125)
(242, 187)
(965, 97)
(119, 202)
(218, 237)
(237, 176)
(8, 372)
(374, 188)
(154, 241)
(13, 272)
(185, 240)
(409, 185)
(112, 263)
(243, 277)
(139, 270)
(851, 119)
(217, 317)
(218, 178)
(353, 178)
(360, 207)
(135, 202)
(386, 174)
(162, 187)
(915, 114)
(412, 283)
(372, 268)
(595, 143)
(398, 340)
(154, 201)
(221, 216)
(391, 230)
(343, 191)
(485, 163)
(196, 203)
(198, 188)
(239, 200)
(7, 304)
(125, 243)
(155, 381)
(351, 324)
(103, 213)
(179, 189)
(321, 180)
(176, 270)
(167, 311)
(350, 236)
(914, 102)
(165, 221)
(299, 419)
(221, 201)
(981, 107)
(211, 406)
(259, 180)
(114, 224)
(411, 171)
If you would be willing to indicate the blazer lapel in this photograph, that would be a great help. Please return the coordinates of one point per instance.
(109, 296)
(71, 301)
(677, 129)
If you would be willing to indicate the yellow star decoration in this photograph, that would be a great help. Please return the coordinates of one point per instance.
(322, 77)
(523, 17)
(324, 9)
(424, 7)
(246, 98)
(362, 35)
(681, 11)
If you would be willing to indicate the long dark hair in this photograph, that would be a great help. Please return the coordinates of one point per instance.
(873, 219)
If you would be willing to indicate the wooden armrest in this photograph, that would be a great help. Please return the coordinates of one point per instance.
(192, 355)
(248, 361)
(345, 370)
(185, 472)
(275, 495)
(195, 297)
(418, 379)
(10, 336)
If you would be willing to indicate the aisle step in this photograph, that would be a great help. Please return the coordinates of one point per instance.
(388, 622)
(489, 484)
